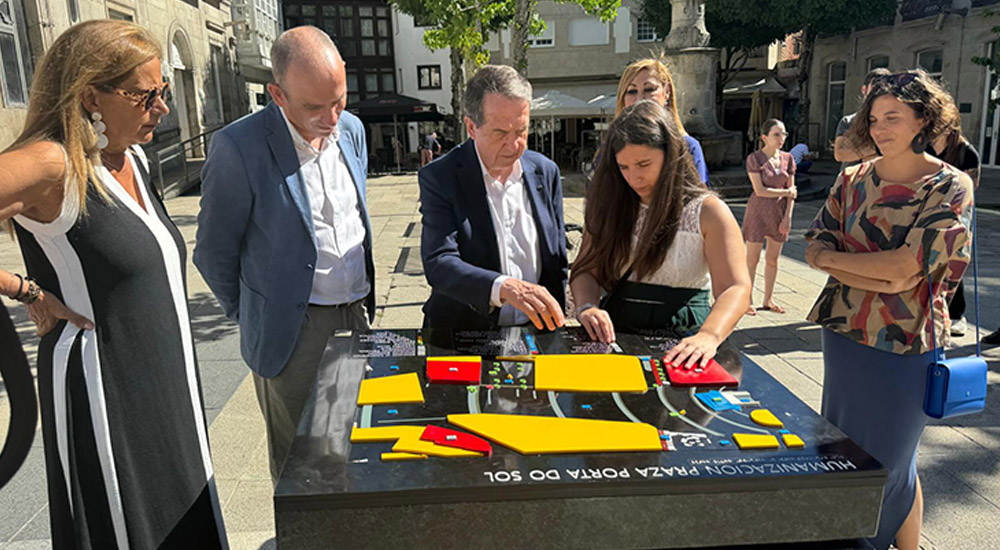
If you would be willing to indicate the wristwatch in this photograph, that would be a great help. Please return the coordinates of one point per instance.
(581, 309)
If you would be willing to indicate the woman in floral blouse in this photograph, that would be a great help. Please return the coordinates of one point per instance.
(888, 226)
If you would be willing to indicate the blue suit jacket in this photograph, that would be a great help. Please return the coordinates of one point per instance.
(458, 244)
(256, 245)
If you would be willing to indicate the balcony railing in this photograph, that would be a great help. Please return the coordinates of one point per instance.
(177, 167)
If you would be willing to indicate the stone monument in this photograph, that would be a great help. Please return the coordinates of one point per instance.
(693, 66)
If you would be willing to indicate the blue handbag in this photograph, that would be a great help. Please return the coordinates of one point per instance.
(956, 386)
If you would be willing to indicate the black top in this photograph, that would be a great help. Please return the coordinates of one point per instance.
(965, 158)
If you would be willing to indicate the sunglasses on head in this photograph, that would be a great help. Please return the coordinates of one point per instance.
(143, 98)
(898, 81)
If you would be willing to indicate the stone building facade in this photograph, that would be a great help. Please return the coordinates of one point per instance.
(940, 36)
(199, 57)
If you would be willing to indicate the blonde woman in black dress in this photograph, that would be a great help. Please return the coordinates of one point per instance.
(126, 445)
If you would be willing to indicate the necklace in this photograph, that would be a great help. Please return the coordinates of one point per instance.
(113, 166)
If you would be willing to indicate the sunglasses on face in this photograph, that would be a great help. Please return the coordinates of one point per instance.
(143, 98)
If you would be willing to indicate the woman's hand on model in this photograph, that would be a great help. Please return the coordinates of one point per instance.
(793, 192)
(598, 324)
(47, 311)
(694, 351)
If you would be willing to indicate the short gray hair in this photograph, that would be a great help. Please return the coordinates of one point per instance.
(296, 45)
(494, 79)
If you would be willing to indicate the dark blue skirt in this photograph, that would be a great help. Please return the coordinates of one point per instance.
(877, 399)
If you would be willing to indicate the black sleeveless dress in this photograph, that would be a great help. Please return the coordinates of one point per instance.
(126, 440)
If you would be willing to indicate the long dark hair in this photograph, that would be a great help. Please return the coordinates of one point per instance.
(612, 206)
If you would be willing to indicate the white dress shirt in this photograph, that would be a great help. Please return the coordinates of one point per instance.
(339, 276)
(517, 236)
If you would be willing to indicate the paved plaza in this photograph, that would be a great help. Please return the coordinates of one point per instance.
(959, 460)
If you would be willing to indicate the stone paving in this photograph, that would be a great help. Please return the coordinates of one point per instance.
(959, 460)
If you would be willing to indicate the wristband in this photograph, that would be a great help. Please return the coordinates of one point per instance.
(20, 288)
(581, 309)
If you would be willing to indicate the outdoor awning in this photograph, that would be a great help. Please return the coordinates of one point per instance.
(385, 108)
(606, 103)
(746, 87)
(554, 103)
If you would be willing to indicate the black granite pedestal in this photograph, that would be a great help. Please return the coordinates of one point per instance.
(706, 493)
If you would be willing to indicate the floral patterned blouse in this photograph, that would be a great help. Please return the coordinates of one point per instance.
(932, 218)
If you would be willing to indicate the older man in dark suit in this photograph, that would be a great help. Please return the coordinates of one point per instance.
(493, 241)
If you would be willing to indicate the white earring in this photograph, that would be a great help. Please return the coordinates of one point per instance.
(99, 128)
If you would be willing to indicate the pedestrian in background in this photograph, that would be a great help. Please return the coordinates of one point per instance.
(430, 149)
(846, 151)
(803, 157)
(889, 229)
(768, 216)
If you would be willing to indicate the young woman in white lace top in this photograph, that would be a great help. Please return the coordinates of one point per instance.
(658, 243)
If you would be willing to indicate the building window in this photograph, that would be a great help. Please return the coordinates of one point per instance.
(931, 61)
(12, 78)
(358, 30)
(388, 81)
(352, 86)
(545, 40)
(878, 62)
(797, 45)
(588, 32)
(429, 77)
(836, 78)
(645, 32)
(423, 20)
(119, 15)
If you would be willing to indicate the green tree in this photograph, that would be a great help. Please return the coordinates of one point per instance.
(736, 36)
(462, 26)
(991, 63)
(741, 25)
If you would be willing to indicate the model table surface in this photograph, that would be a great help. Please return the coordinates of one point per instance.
(507, 464)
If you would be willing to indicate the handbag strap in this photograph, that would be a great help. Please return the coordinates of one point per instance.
(975, 285)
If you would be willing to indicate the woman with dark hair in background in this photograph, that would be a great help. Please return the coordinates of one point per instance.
(953, 148)
(683, 244)
(890, 229)
(768, 216)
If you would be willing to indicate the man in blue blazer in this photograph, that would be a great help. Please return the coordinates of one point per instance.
(493, 242)
(284, 239)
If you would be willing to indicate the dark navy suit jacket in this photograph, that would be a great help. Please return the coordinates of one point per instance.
(458, 244)
(256, 245)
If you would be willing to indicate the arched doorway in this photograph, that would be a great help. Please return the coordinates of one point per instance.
(182, 83)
